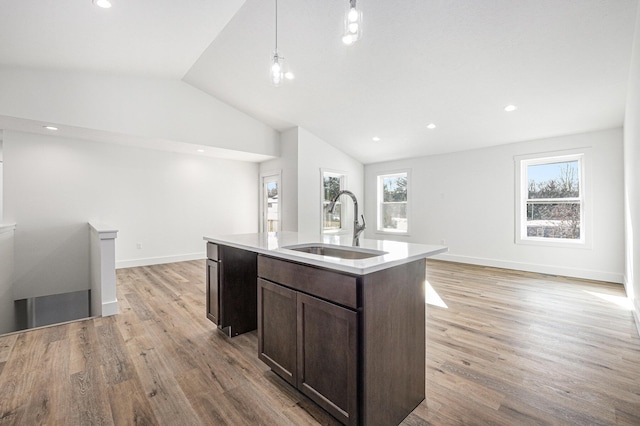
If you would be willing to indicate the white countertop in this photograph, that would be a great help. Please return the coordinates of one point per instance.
(272, 244)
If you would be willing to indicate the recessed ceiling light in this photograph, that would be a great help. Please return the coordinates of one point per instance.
(510, 108)
(50, 127)
(375, 139)
(199, 150)
(105, 4)
(431, 126)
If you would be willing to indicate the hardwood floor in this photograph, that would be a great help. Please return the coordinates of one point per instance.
(517, 348)
(510, 348)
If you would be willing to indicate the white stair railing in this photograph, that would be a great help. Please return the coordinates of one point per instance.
(103, 270)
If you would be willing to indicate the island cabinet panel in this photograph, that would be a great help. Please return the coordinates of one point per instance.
(327, 356)
(231, 289)
(393, 365)
(212, 251)
(277, 329)
(212, 291)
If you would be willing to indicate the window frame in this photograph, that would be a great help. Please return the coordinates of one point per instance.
(379, 202)
(343, 185)
(271, 176)
(583, 156)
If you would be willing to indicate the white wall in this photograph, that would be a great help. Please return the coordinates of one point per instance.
(287, 165)
(1, 188)
(302, 157)
(140, 107)
(1, 183)
(7, 315)
(468, 200)
(314, 155)
(632, 178)
(165, 201)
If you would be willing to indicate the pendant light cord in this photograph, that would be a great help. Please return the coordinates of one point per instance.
(276, 25)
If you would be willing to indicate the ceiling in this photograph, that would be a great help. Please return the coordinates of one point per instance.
(159, 38)
(563, 63)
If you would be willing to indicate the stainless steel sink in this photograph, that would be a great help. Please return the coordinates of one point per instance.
(340, 252)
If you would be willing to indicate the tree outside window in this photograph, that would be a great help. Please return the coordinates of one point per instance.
(553, 203)
(332, 184)
(392, 202)
(272, 206)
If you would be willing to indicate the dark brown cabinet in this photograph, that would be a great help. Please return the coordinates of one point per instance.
(231, 288)
(354, 344)
(277, 329)
(312, 344)
(212, 291)
(327, 356)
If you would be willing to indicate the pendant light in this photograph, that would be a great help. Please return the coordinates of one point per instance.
(352, 24)
(105, 4)
(277, 71)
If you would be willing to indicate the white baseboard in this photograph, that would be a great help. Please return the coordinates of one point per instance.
(636, 304)
(109, 308)
(635, 308)
(636, 317)
(532, 267)
(159, 260)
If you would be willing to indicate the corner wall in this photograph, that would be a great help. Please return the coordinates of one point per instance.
(467, 199)
(302, 157)
(166, 202)
(632, 178)
(287, 165)
(314, 155)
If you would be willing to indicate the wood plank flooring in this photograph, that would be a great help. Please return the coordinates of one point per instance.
(510, 348)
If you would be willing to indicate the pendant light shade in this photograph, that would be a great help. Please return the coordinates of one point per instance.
(276, 72)
(277, 67)
(352, 24)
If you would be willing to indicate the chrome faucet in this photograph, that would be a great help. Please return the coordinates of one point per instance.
(357, 228)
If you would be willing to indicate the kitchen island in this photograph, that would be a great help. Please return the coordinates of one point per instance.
(344, 325)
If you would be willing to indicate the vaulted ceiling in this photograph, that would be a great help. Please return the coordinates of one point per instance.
(457, 64)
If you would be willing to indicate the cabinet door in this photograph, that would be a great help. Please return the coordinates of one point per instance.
(237, 290)
(277, 329)
(212, 291)
(327, 356)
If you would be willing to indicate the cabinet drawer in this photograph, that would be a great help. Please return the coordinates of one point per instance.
(212, 251)
(328, 285)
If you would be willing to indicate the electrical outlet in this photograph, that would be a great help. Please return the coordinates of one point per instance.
(139, 246)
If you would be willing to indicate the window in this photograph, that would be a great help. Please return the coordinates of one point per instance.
(271, 201)
(551, 199)
(332, 184)
(393, 202)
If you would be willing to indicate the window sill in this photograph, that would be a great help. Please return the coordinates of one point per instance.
(335, 232)
(398, 234)
(550, 242)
